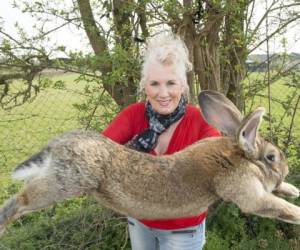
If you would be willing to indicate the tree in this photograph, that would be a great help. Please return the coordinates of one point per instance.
(219, 35)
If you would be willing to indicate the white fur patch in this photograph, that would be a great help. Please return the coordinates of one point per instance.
(31, 170)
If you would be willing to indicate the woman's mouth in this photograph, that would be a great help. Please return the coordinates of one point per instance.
(164, 103)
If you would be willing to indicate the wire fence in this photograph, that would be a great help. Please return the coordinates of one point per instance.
(25, 129)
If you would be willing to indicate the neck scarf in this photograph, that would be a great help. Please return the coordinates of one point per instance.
(147, 140)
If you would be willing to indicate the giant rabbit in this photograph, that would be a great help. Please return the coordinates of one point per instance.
(240, 167)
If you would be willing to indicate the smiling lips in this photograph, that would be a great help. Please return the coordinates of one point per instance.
(164, 103)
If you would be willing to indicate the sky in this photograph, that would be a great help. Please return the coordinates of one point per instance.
(69, 36)
(75, 39)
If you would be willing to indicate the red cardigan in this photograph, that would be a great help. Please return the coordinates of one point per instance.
(132, 120)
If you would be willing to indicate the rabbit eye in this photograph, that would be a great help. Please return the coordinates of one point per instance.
(271, 157)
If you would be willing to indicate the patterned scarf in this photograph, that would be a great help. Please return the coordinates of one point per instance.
(147, 140)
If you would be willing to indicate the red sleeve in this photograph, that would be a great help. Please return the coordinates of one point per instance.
(205, 130)
(126, 124)
(209, 131)
(120, 129)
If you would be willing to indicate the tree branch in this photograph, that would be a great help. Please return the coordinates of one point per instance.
(97, 41)
(275, 32)
(267, 12)
(287, 142)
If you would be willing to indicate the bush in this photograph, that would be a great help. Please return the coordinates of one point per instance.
(77, 224)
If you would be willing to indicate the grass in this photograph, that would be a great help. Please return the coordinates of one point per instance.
(279, 91)
(284, 100)
(77, 224)
(25, 129)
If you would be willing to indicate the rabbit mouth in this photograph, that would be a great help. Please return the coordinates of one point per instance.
(280, 176)
(279, 180)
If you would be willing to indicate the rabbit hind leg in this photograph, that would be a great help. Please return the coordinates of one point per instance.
(37, 193)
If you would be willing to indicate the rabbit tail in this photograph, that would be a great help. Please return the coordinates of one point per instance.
(37, 165)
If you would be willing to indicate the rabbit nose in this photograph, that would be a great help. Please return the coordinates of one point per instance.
(284, 172)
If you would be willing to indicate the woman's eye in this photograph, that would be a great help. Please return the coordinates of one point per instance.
(171, 83)
(271, 157)
(153, 83)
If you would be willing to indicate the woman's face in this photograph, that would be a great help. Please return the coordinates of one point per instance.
(163, 88)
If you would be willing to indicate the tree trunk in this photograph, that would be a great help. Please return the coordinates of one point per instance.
(187, 32)
(122, 92)
(218, 60)
(234, 50)
(203, 45)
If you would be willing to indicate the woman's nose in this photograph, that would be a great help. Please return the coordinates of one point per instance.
(163, 91)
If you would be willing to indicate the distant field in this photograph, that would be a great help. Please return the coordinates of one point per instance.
(280, 91)
(25, 129)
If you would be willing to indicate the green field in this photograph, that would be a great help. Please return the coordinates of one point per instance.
(280, 92)
(25, 129)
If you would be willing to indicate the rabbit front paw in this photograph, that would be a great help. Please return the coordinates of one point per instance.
(294, 192)
(291, 190)
(287, 190)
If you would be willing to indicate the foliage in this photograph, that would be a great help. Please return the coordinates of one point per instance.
(219, 36)
(96, 103)
(76, 224)
(230, 229)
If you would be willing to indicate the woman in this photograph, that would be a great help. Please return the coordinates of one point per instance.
(163, 125)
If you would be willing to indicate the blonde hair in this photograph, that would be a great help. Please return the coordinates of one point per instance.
(167, 49)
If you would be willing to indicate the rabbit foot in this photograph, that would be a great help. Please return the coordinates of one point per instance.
(287, 190)
(293, 191)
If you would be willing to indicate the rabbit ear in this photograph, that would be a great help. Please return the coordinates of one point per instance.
(220, 112)
(248, 131)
